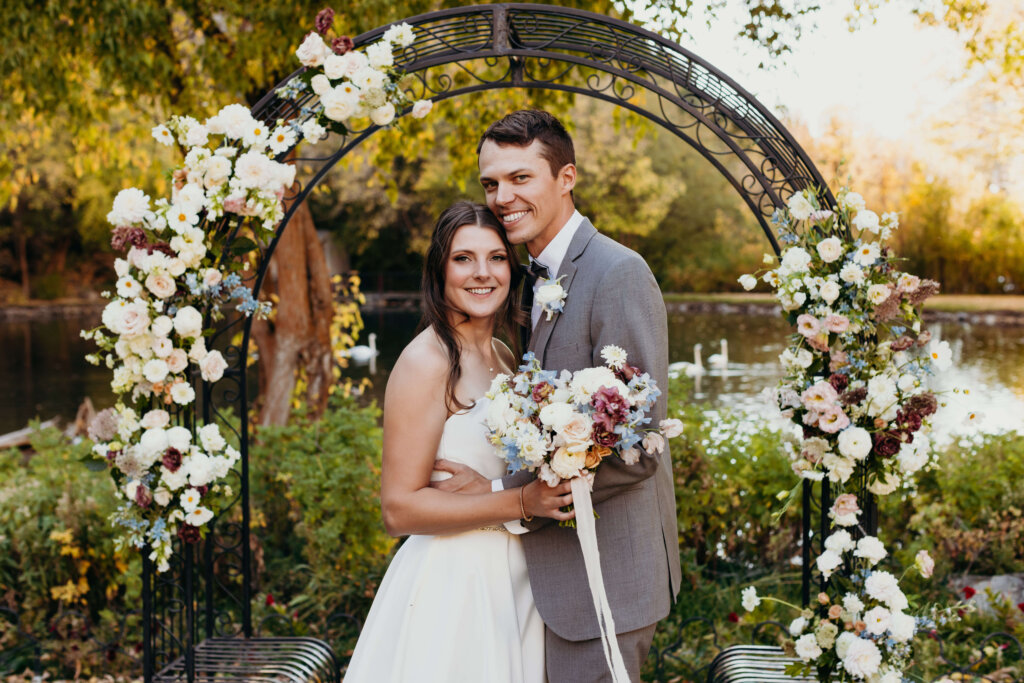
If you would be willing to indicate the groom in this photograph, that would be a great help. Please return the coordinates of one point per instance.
(528, 171)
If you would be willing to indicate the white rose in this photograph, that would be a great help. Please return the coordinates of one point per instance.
(182, 393)
(153, 443)
(338, 105)
(871, 549)
(313, 50)
(866, 220)
(575, 432)
(384, 115)
(555, 415)
(399, 34)
(851, 273)
(901, 626)
(210, 437)
(379, 55)
(807, 647)
(162, 326)
(162, 496)
(179, 438)
(862, 658)
(188, 322)
(161, 285)
(421, 108)
(829, 292)
(313, 132)
(877, 294)
(851, 201)
(839, 542)
(212, 366)
(799, 207)
(795, 260)
(218, 170)
(198, 350)
(155, 419)
(155, 370)
(549, 293)
(748, 281)
(334, 68)
(797, 626)
(855, 443)
(843, 643)
(828, 562)
(367, 78)
(177, 361)
(884, 486)
(830, 249)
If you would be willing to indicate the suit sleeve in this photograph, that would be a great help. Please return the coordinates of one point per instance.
(631, 314)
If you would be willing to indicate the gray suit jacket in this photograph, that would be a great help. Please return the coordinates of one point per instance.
(611, 298)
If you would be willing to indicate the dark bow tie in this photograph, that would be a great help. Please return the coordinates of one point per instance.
(538, 270)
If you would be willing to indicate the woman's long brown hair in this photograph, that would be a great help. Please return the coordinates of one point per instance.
(439, 313)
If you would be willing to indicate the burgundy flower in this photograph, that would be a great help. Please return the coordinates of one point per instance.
(603, 437)
(854, 396)
(1020, 606)
(202, 490)
(324, 20)
(923, 404)
(172, 459)
(924, 338)
(270, 600)
(124, 236)
(809, 432)
(189, 533)
(341, 45)
(887, 444)
(143, 497)
(627, 372)
(909, 420)
(112, 455)
(610, 401)
(968, 592)
(839, 382)
(604, 422)
(542, 391)
(734, 618)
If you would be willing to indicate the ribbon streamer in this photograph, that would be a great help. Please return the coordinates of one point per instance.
(586, 530)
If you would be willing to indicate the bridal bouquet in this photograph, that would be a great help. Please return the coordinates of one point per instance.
(562, 425)
(855, 385)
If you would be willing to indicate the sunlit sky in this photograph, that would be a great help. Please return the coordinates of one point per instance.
(885, 77)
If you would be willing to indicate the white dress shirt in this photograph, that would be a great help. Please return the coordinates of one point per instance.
(551, 257)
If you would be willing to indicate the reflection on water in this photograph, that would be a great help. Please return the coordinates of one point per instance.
(44, 373)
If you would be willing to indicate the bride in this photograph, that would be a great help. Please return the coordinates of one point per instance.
(455, 604)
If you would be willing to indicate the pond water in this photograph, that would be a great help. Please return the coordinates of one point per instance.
(45, 375)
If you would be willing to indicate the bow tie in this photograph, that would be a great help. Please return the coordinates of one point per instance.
(538, 270)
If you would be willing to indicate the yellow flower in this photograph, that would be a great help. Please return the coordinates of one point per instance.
(64, 537)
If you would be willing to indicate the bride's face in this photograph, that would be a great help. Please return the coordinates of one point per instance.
(477, 272)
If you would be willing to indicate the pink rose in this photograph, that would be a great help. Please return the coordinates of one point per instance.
(925, 564)
(808, 325)
(576, 433)
(177, 361)
(837, 323)
(819, 396)
(845, 510)
(212, 366)
(833, 420)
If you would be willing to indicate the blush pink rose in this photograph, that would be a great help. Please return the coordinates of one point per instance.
(833, 420)
(837, 323)
(845, 510)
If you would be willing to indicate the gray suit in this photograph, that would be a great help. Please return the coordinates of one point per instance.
(611, 298)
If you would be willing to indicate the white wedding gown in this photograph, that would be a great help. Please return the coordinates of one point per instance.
(455, 608)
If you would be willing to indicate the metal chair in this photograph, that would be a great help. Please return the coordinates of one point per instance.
(752, 664)
(259, 660)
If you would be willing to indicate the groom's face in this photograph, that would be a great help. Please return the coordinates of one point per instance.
(531, 203)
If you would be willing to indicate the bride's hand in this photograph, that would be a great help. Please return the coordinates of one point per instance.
(541, 500)
(464, 478)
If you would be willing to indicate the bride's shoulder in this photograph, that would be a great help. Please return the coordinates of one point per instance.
(422, 359)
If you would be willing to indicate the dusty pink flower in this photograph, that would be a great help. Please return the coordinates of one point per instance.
(808, 325)
(819, 396)
(845, 510)
(837, 323)
(324, 19)
(833, 420)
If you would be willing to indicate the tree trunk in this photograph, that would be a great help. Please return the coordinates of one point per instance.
(299, 336)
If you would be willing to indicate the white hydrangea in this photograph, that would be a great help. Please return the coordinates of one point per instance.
(130, 207)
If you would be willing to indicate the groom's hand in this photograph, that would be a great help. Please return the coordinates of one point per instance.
(464, 478)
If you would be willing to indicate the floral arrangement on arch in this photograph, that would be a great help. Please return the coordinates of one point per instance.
(855, 385)
(174, 279)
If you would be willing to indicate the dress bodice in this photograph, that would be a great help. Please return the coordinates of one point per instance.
(464, 439)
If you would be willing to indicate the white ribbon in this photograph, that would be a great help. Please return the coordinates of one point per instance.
(587, 533)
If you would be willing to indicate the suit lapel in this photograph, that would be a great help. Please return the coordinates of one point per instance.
(567, 271)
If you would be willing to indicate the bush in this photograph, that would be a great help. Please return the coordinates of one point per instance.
(58, 568)
(316, 498)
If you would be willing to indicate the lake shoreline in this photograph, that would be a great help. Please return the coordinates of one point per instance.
(972, 309)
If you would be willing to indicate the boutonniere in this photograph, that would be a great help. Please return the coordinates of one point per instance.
(551, 296)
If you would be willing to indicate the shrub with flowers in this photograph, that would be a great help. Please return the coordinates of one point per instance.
(855, 385)
(175, 275)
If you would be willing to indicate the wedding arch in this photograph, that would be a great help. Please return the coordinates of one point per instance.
(194, 613)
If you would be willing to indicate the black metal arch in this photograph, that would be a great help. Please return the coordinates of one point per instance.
(207, 593)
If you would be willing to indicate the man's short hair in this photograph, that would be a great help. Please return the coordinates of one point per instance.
(521, 128)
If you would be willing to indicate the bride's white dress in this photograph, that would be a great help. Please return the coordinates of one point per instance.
(455, 607)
